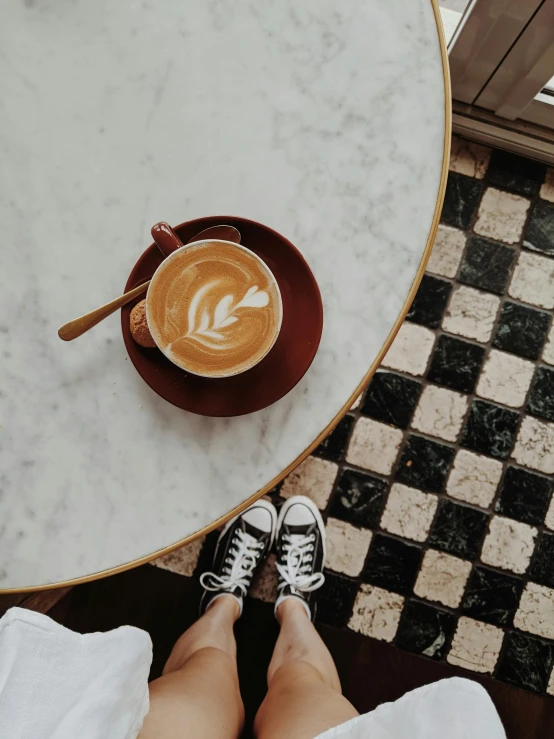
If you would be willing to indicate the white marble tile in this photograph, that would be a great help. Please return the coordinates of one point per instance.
(447, 251)
(505, 378)
(374, 446)
(474, 478)
(534, 445)
(536, 611)
(471, 313)
(476, 645)
(182, 561)
(314, 477)
(509, 544)
(440, 412)
(469, 158)
(409, 512)
(547, 187)
(548, 351)
(376, 613)
(442, 578)
(533, 280)
(411, 349)
(347, 547)
(325, 163)
(501, 216)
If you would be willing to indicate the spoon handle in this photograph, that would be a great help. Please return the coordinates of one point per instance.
(81, 325)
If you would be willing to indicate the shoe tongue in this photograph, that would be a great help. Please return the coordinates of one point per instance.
(300, 530)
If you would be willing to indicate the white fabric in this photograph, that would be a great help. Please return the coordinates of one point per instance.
(56, 684)
(448, 709)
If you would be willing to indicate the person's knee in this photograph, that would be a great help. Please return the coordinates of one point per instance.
(292, 673)
(206, 659)
(297, 694)
(299, 672)
(270, 714)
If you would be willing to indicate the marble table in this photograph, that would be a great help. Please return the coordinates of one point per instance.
(325, 120)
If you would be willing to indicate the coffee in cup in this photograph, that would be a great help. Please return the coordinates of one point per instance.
(214, 308)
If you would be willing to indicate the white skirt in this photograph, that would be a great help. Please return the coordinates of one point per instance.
(56, 684)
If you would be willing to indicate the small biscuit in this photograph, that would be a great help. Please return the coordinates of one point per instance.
(139, 327)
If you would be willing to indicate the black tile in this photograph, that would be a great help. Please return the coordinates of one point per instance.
(391, 398)
(521, 330)
(456, 364)
(525, 661)
(461, 200)
(359, 498)
(458, 529)
(335, 444)
(335, 599)
(539, 232)
(430, 302)
(490, 429)
(487, 264)
(541, 399)
(424, 464)
(492, 597)
(524, 496)
(514, 173)
(541, 569)
(425, 630)
(392, 564)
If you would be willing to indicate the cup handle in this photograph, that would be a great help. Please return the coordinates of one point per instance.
(165, 238)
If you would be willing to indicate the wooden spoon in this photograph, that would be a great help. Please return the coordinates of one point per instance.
(167, 244)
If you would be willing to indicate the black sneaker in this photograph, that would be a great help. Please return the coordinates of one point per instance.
(242, 545)
(300, 552)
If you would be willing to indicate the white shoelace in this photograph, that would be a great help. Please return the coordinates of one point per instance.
(238, 566)
(296, 568)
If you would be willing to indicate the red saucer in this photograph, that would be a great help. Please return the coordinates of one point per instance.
(279, 371)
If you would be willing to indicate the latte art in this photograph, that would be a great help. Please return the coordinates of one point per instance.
(209, 331)
(214, 309)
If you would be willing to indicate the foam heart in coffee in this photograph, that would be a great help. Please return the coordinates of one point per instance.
(214, 309)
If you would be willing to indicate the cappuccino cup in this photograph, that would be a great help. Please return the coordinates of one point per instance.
(214, 308)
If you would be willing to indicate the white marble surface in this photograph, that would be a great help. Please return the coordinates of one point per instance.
(324, 120)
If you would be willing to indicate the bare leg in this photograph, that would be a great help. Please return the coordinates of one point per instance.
(304, 695)
(198, 694)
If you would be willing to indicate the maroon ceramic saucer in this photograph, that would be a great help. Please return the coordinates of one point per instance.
(279, 371)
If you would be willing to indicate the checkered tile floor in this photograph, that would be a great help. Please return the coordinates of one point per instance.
(437, 486)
